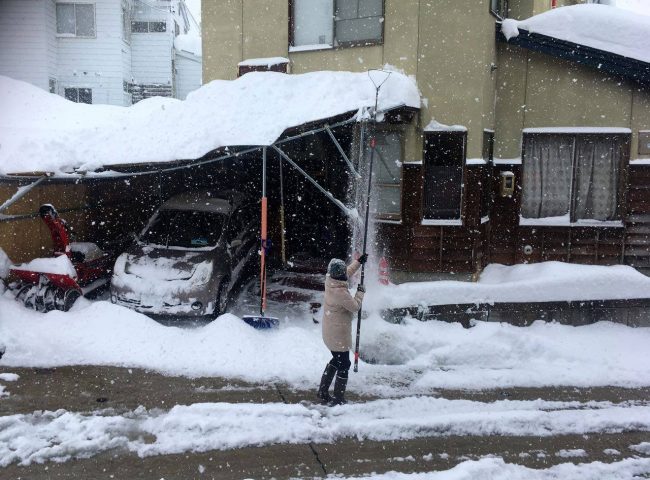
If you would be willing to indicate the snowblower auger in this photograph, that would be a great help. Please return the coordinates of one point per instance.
(55, 283)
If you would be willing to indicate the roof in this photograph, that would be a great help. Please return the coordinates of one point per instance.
(43, 132)
(601, 27)
(611, 40)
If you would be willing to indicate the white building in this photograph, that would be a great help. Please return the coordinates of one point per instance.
(101, 51)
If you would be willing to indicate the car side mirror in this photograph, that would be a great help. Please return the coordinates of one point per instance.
(235, 243)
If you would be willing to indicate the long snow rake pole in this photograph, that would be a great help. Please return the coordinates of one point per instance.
(373, 145)
(365, 241)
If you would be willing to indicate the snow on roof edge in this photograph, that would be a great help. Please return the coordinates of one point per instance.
(601, 27)
(44, 132)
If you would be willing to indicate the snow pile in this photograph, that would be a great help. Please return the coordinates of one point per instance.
(189, 42)
(59, 435)
(497, 469)
(597, 26)
(643, 448)
(410, 358)
(7, 377)
(40, 131)
(5, 264)
(60, 265)
(535, 282)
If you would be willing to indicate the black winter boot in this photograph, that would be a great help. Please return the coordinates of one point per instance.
(325, 382)
(339, 391)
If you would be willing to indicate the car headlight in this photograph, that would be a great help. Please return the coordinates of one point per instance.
(202, 273)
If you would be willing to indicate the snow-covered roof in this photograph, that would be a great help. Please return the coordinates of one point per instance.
(190, 43)
(602, 27)
(40, 131)
(263, 62)
(435, 126)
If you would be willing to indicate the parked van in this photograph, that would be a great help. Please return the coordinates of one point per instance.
(188, 257)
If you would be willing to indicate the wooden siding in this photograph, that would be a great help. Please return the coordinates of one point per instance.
(418, 248)
(637, 225)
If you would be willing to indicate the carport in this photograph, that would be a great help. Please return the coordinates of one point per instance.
(312, 174)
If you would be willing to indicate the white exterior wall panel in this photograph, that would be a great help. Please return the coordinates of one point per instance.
(95, 63)
(152, 57)
(188, 74)
(24, 41)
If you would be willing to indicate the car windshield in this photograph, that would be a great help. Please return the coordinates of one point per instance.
(184, 228)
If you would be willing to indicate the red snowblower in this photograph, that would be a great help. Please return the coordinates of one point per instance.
(75, 269)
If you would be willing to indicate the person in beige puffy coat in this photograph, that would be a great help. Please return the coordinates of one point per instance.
(339, 307)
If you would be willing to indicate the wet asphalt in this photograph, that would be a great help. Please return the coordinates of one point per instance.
(95, 388)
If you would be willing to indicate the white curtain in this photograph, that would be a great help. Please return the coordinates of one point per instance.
(598, 162)
(547, 174)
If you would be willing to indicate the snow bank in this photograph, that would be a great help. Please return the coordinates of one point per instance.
(40, 131)
(535, 282)
(201, 427)
(410, 358)
(60, 265)
(497, 469)
(601, 27)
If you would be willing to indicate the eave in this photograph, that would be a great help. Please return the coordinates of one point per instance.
(603, 61)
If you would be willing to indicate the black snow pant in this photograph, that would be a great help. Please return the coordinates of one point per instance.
(341, 362)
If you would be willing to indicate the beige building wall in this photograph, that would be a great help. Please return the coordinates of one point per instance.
(448, 45)
(522, 9)
(537, 90)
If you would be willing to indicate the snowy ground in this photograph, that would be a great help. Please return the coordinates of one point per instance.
(406, 367)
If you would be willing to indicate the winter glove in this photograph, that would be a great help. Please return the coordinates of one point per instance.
(363, 258)
(361, 288)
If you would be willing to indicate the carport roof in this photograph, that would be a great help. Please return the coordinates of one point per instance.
(42, 132)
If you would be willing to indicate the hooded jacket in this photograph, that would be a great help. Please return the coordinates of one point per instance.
(338, 309)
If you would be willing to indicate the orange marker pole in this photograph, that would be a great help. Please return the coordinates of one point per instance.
(263, 259)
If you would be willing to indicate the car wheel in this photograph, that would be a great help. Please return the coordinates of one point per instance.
(221, 303)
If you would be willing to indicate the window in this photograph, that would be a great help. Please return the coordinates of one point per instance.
(572, 178)
(148, 27)
(75, 19)
(444, 155)
(336, 22)
(52, 85)
(499, 8)
(387, 174)
(79, 95)
(157, 27)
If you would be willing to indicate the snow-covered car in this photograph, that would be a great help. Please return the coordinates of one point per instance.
(188, 257)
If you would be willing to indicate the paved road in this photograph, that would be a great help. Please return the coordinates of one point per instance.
(87, 389)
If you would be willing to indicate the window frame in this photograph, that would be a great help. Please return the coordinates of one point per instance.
(75, 35)
(460, 219)
(623, 142)
(335, 44)
(78, 94)
(148, 24)
(499, 8)
(399, 131)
